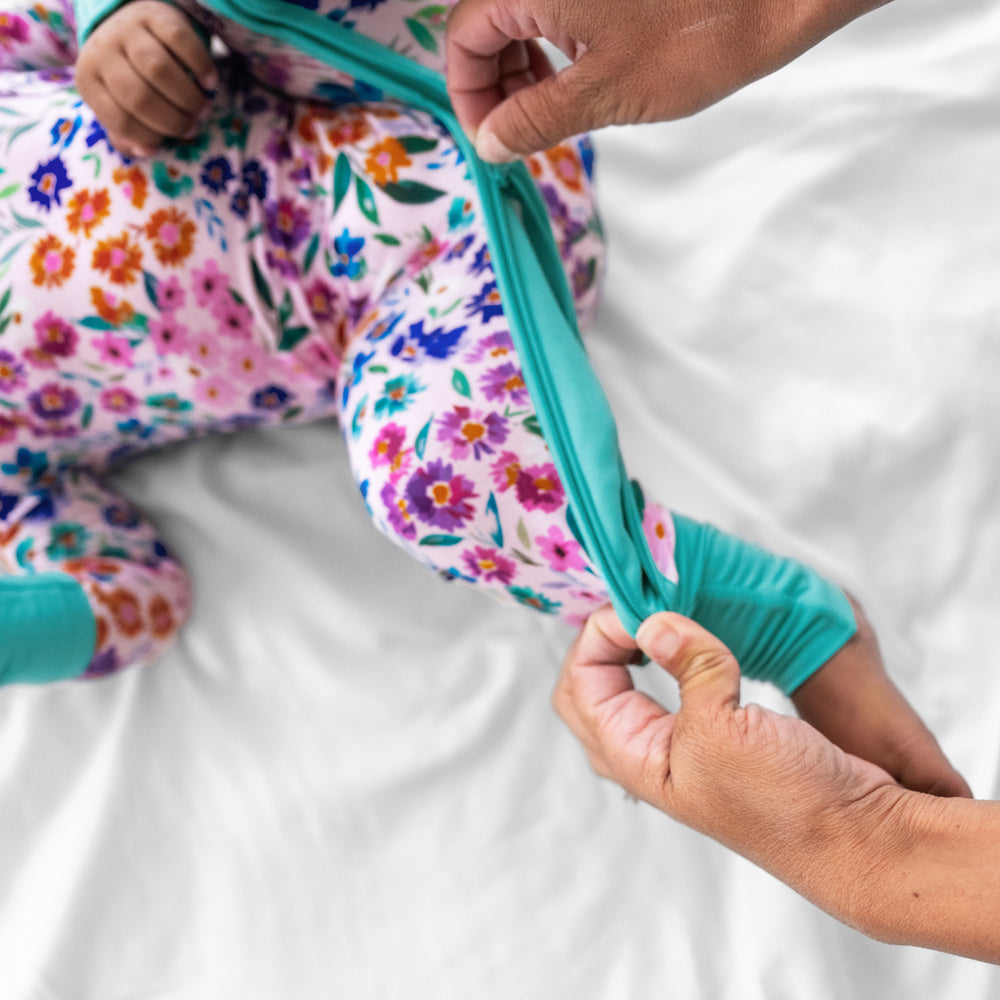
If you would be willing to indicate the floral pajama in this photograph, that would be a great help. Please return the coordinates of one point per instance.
(303, 256)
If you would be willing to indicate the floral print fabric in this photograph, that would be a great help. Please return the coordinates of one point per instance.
(296, 259)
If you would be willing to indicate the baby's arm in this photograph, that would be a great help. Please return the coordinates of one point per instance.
(145, 71)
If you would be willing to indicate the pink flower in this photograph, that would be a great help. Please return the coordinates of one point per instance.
(388, 445)
(658, 527)
(216, 391)
(118, 399)
(466, 429)
(234, 319)
(489, 564)
(168, 336)
(170, 295)
(505, 471)
(114, 349)
(562, 553)
(209, 283)
(247, 360)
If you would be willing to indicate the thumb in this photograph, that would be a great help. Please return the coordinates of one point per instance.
(705, 669)
(543, 114)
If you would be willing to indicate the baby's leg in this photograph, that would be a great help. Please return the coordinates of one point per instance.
(86, 587)
(449, 455)
(37, 35)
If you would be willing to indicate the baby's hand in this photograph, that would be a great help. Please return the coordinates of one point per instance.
(144, 72)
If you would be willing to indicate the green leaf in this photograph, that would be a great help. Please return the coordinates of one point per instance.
(291, 414)
(310, 253)
(531, 424)
(460, 384)
(389, 241)
(26, 223)
(366, 201)
(377, 369)
(5, 301)
(341, 179)
(150, 281)
(420, 445)
(254, 233)
(417, 143)
(493, 511)
(9, 190)
(261, 285)
(441, 540)
(412, 192)
(432, 11)
(285, 309)
(97, 323)
(522, 534)
(425, 39)
(4, 323)
(291, 336)
(88, 415)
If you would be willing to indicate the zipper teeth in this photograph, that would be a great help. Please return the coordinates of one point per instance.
(416, 82)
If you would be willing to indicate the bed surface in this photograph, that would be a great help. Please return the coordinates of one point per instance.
(346, 780)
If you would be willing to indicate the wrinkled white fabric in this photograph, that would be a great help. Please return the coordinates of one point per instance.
(347, 781)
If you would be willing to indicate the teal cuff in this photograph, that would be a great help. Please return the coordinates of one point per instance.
(781, 620)
(47, 629)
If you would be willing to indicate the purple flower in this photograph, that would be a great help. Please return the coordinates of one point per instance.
(489, 564)
(55, 336)
(11, 372)
(505, 382)
(400, 518)
(287, 223)
(497, 345)
(13, 28)
(539, 487)
(50, 179)
(54, 402)
(440, 497)
(468, 430)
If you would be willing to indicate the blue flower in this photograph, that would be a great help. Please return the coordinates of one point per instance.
(255, 179)
(482, 261)
(347, 248)
(487, 302)
(50, 179)
(216, 174)
(271, 397)
(64, 129)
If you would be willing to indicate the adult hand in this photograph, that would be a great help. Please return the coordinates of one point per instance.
(633, 61)
(145, 73)
(898, 865)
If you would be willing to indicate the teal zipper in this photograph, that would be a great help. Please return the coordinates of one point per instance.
(572, 408)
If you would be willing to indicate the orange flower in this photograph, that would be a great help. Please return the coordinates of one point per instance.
(307, 128)
(52, 262)
(133, 183)
(384, 160)
(567, 167)
(349, 128)
(172, 233)
(124, 608)
(110, 308)
(87, 211)
(161, 617)
(119, 259)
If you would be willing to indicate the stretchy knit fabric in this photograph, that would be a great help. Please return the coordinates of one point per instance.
(315, 250)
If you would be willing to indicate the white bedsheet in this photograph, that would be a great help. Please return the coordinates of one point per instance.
(346, 780)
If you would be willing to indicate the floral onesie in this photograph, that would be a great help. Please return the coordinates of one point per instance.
(315, 250)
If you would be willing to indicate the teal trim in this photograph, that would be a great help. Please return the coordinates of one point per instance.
(47, 630)
(780, 619)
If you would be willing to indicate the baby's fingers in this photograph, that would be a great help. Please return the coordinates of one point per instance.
(171, 36)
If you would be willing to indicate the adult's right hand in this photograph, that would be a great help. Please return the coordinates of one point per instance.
(632, 61)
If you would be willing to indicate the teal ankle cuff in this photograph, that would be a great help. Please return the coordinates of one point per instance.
(47, 629)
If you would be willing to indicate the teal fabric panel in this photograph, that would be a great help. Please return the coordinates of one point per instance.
(780, 619)
(47, 630)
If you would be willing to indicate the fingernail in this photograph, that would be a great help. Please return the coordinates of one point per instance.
(209, 82)
(491, 149)
(658, 639)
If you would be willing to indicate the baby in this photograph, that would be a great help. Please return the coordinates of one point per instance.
(192, 244)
